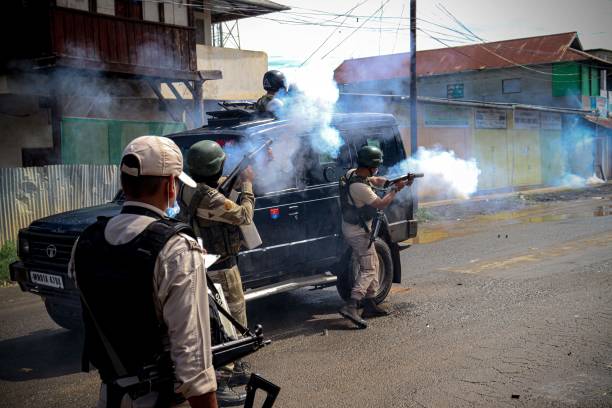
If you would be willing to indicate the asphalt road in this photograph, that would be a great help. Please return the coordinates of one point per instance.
(510, 309)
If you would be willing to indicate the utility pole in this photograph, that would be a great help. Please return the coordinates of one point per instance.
(413, 80)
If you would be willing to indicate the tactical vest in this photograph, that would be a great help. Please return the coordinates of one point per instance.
(218, 238)
(117, 283)
(262, 103)
(350, 213)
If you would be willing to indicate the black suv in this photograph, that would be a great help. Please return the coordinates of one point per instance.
(300, 225)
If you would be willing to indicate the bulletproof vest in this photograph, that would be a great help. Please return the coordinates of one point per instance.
(117, 284)
(350, 213)
(262, 103)
(219, 238)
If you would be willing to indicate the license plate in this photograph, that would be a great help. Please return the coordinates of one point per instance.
(46, 279)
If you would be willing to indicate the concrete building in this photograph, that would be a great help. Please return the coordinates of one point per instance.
(551, 70)
(80, 78)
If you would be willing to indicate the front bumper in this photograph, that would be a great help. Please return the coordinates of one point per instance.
(19, 273)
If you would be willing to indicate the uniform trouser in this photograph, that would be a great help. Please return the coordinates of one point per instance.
(230, 281)
(366, 283)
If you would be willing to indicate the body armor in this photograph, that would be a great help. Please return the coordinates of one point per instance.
(218, 238)
(350, 213)
(262, 103)
(116, 281)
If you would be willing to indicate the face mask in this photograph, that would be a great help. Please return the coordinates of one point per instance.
(173, 211)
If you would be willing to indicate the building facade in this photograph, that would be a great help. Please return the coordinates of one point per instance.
(80, 78)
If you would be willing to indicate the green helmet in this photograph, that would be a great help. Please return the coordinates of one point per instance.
(369, 156)
(205, 159)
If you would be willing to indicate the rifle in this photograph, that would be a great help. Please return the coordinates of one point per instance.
(228, 184)
(408, 176)
(234, 350)
(380, 214)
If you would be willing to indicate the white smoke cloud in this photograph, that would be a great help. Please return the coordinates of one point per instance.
(446, 175)
(310, 105)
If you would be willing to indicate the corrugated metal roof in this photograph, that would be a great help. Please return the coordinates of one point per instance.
(500, 54)
(224, 10)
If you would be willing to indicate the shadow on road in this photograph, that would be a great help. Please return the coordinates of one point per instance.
(298, 313)
(42, 354)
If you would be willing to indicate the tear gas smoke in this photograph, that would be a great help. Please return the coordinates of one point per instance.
(310, 104)
(446, 175)
(307, 132)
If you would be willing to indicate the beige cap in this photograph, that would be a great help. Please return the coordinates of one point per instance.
(157, 156)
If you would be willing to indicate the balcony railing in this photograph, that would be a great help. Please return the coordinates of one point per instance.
(115, 44)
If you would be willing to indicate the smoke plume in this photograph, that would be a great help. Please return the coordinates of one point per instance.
(446, 175)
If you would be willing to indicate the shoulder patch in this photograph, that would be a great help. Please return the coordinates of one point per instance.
(228, 205)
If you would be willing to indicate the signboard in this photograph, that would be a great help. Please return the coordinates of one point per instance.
(490, 119)
(551, 121)
(446, 116)
(524, 119)
(601, 104)
(454, 91)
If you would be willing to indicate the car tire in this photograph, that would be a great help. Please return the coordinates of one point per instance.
(64, 316)
(349, 268)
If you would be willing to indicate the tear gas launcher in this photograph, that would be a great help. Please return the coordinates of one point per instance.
(405, 177)
(228, 184)
(380, 214)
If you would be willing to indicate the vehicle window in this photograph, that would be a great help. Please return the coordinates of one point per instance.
(385, 139)
(324, 168)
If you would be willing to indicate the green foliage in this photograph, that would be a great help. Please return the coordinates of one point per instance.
(423, 215)
(8, 254)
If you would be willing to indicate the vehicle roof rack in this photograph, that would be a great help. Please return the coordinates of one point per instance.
(234, 113)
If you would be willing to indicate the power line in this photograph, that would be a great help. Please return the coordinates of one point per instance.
(398, 27)
(355, 30)
(332, 33)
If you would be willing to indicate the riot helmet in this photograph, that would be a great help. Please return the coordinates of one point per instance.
(205, 159)
(274, 80)
(369, 156)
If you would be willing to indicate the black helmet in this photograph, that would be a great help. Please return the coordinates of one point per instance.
(369, 156)
(274, 81)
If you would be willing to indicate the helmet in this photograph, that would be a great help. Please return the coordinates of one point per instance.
(369, 156)
(274, 81)
(205, 159)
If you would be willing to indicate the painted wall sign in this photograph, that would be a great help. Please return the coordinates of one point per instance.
(446, 116)
(490, 119)
(524, 119)
(551, 121)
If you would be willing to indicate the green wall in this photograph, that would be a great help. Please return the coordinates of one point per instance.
(101, 141)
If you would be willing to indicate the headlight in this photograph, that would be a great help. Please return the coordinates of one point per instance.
(24, 246)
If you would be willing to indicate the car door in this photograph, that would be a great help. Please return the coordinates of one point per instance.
(322, 207)
(279, 218)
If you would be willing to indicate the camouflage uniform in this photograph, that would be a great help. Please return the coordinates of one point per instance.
(219, 219)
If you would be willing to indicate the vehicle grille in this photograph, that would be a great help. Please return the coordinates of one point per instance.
(40, 248)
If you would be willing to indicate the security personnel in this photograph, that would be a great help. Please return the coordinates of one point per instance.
(143, 288)
(217, 221)
(274, 83)
(359, 204)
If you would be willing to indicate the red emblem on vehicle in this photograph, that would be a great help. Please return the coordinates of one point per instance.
(274, 213)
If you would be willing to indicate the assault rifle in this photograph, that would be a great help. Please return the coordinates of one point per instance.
(228, 184)
(380, 214)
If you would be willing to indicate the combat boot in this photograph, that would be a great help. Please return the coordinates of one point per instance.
(241, 374)
(371, 309)
(349, 311)
(228, 396)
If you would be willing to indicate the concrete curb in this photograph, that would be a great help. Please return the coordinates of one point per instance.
(541, 190)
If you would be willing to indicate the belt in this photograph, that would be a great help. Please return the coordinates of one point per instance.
(227, 263)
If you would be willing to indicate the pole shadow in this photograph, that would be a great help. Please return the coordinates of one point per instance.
(41, 354)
